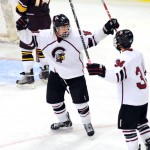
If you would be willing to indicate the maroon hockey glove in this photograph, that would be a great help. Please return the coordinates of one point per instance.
(22, 23)
(45, 8)
(96, 69)
(110, 26)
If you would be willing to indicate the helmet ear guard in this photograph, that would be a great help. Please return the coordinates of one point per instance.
(123, 39)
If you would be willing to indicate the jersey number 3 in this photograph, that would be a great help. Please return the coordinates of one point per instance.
(140, 85)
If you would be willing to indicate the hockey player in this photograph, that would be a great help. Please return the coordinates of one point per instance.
(130, 75)
(63, 48)
(34, 16)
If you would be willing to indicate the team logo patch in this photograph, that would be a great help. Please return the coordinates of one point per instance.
(59, 54)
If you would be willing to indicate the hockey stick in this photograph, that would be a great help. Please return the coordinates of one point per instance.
(37, 59)
(78, 26)
(107, 11)
(37, 56)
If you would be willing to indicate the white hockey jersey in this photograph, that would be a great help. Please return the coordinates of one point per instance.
(71, 47)
(130, 76)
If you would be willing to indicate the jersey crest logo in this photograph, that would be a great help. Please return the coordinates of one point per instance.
(119, 63)
(59, 54)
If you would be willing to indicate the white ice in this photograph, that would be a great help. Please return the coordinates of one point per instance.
(25, 117)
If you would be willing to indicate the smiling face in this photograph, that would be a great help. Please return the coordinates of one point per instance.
(63, 31)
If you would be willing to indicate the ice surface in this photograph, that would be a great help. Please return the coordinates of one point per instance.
(25, 117)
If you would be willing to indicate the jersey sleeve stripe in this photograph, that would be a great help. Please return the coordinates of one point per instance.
(21, 8)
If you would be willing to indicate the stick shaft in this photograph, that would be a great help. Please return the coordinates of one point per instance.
(108, 13)
(79, 30)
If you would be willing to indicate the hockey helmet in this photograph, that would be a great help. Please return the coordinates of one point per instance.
(61, 21)
(123, 39)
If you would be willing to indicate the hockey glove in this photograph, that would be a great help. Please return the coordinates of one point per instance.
(45, 8)
(110, 26)
(22, 23)
(96, 69)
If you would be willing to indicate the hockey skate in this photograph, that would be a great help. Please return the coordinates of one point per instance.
(147, 144)
(27, 80)
(89, 129)
(62, 125)
(44, 73)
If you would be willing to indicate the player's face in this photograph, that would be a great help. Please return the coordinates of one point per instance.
(63, 31)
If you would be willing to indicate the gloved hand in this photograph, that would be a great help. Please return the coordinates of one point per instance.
(22, 23)
(45, 7)
(110, 26)
(96, 69)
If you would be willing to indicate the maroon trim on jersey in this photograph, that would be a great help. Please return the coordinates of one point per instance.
(77, 51)
(71, 45)
(129, 49)
(48, 45)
